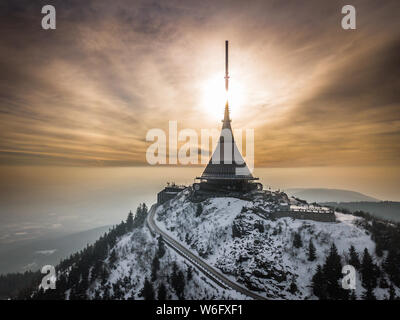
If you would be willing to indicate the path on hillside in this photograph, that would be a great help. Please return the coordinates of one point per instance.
(216, 276)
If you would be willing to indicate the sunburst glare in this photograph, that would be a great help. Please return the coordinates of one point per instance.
(214, 97)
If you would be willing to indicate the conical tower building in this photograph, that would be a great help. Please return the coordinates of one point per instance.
(227, 170)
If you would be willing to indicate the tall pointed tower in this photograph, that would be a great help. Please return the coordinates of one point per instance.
(227, 170)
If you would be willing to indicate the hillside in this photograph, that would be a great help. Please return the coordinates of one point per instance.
(328, 195)
(388, 210)
(33, 254)
(266, 255)
(259, 252)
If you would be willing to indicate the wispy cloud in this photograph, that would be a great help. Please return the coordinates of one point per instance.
(86, 93)
(46, 252)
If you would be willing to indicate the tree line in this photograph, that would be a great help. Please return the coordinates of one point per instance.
(73, 273)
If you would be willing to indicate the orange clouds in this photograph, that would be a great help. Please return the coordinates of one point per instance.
(87, 93)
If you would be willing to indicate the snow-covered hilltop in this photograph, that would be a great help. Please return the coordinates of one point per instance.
(274, 257)
(239, 238)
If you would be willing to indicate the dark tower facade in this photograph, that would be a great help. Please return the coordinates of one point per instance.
(227, 170)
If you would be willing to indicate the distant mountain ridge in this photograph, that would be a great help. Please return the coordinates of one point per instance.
(388, 210)
(328, 195)
(37, 253)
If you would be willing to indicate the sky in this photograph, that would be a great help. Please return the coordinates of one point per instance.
(76, 103)
(87, 93)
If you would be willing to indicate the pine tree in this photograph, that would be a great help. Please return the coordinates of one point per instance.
(383, 283)
(392, 266)
(293, 287)
(379, 249)
(148, 290)
(368, 272)
(311, 251)
(118, 294)
(82, 285)
(106, 293)
(162, 292)
(199, 210)
(180, 285)
(189, 274)
(260, 226)
(104, 276)
(353, 295)
(297, 243)
(97, 295)
(154, 268)
(129, 221)
(161, 247)
(187, 238)
(318, 284)
(113, 257)
(369, 294)
(126, 282)
(332, 270)
(392, 293)
(354, 259)
(140, 217)
(178, 281)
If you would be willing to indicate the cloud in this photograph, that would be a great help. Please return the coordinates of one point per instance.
(30, 266)
(351, 114)
(46, 252)
(86, 93)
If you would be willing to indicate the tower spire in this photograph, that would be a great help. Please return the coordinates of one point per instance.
(226, 170)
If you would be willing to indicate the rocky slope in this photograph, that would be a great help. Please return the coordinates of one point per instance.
(258, 252)
(134, 258)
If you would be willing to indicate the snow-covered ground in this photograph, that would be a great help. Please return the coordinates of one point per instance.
(135, 253)
(259, 252)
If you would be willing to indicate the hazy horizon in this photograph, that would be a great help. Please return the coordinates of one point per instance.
(41, 201)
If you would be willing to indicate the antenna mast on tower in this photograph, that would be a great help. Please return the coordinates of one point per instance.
(226, 67)
(227, 121)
